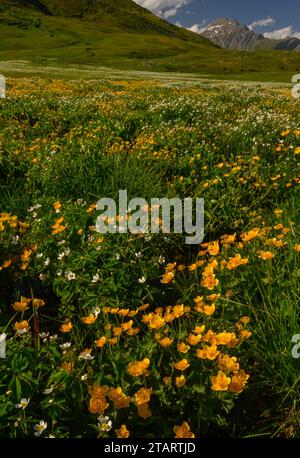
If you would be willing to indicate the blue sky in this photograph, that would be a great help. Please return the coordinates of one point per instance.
(273, 18)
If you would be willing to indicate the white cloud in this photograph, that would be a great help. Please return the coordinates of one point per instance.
(262, 23)
(282, 33)
(198, 28)
(164, 8)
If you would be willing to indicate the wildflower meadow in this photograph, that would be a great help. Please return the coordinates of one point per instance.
(123, 335)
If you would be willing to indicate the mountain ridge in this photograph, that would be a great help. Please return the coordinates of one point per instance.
(231, 34)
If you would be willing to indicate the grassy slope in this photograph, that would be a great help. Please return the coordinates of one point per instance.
(122, 35)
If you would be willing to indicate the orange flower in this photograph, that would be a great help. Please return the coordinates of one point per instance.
(182, 365)
(297, 248)
(209, 309)
(122, 433)
(193, 340)
(224, 338)
(142, 396)
(89, 319)
(238, 382)
(213, 248)
(182, 347)
(265, 255)
(100, 342)
(21, 326)
(137, 368)
(119, 399)
(210, 282)
(220, 382)
(183, 431)
(208, 352)
(236, 261)
(144, 411)
(250, 235)
(156, 321)
(98, 391)
(166, 342)
(66, 327)
(227, 363)
(180, 381)
(97, 405)
(20, 306)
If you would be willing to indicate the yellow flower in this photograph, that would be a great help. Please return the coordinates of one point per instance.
(180, 381)
(156, 321)
(167, 380)
(209, 309)
(224, 338)
(122, 433)
(57, 205)
(213, 248)
(98, 405)
(244, 334)
(183, 431)
(100, 342)
(66, 327)
(297, 150)
(235, 262)
(245, 320)
(137, 368)
(144, 411)
(20, 306)
(182, 365)
(21, 326)
(220, 382)
(193, 340)
(238, 382)
(182, 347)
(142, 396)
(227, 363)
(250, 235)
(166, 342)
(199, 329)
(208, 352)
(210, 282)
(265, 255)
(167, 278)
(119, 399)
(89, 319)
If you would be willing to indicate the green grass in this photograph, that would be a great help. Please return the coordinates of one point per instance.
(128, 37)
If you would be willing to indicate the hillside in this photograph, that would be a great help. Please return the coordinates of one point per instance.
(119, 34)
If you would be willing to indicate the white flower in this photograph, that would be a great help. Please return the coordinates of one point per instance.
(138, 255)
(42, 277)
(86, 354)
(40, 428)
(84, 377)
(105, 424)
(23, 404)
(48, 390)
(118, 256)
(54, 337)
(161, 259)
(142, 280)
(96, 311)
(96, 278)
(61, 242)
(65, 345)
(2, 338)
(70, 275)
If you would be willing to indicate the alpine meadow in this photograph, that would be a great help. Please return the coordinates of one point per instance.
(138, 334)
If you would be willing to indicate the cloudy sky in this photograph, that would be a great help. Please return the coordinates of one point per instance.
(273, 18)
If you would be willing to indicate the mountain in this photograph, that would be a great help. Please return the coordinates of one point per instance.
(231, 34)
(121, 34)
